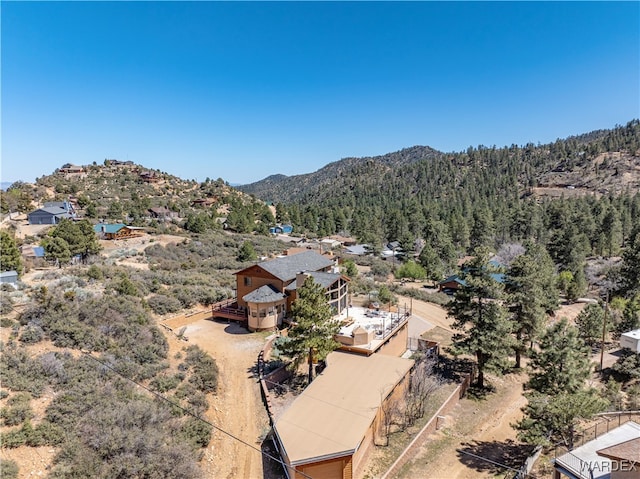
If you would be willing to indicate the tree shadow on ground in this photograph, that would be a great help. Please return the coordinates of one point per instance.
(452, 368)
(476, 393)
(508, 454)
(233, 327)
(271, 467)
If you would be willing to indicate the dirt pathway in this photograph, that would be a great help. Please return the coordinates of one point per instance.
(237, 407)
(488, 422)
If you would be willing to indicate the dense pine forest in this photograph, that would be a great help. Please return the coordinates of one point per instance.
(485, 196)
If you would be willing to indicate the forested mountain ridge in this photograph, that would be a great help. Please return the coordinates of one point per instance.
(282, 188)
(578, 197)
(603, 161)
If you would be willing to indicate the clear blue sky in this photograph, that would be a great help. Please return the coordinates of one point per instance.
(245, 90)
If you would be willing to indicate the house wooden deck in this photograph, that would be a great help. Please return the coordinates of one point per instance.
(229, 309)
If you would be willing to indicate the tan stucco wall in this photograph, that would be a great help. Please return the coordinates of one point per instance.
(270, 321)
(375, 432)
(397, 345)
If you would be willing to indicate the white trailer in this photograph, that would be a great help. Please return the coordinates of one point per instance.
(631, 340)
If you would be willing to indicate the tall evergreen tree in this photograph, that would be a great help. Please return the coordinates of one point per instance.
(483, 228)
(562, 361)
(590, 323)
(79, 236)
(313, 325)
(630, 316)
(630, 271)
(612, 226)
(480, 317)
(531, 293)
(557, 396)
(57, 249)
(431, 262)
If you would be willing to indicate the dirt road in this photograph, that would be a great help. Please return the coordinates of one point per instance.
(237, 407)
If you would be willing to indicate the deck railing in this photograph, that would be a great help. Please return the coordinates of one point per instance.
(229, 308)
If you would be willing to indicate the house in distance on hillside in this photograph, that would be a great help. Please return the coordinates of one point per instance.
(281, 229)
(52, 213)
(116, 231)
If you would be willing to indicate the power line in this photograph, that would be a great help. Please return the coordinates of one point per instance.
(495, 463)
(186, 411)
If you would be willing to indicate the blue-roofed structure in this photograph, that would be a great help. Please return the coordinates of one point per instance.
(116, 231)
(9, 277)
(454, 282)
(281, 229)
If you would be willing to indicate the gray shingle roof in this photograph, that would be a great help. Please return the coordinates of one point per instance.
(323, 279)
(54, 210)
(287, 267)
(264, 294)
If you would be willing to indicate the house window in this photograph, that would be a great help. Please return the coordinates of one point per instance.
(247, 281)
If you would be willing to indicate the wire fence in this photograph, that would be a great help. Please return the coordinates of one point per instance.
(608, 421)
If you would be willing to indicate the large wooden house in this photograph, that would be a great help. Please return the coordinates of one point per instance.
(266, 291)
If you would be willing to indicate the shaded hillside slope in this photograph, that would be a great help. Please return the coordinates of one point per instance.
(603, 161)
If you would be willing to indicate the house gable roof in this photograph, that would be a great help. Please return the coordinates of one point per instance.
(107, 228)
(53, 210)
(591, 452)
(264, 294)
(627, 450)
(454, 279)
(287, 267)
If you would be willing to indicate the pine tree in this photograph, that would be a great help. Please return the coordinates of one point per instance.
(349, 268)
(482, 230)
(630, 316)
(313, 325)
(557, 396)
(531, 293)
(551, 418)
(589, 323)
(562, 361)
(247, 252)
(10, 258)
(79, 236)
(480, 317)
(630, 272)
(57, 249)
(431, 263)
(612, 229)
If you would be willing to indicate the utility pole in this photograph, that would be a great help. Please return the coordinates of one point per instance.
(604, 329)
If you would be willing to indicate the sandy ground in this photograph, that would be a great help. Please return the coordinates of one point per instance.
(480, 427)
(487, 422)
(237, 408)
